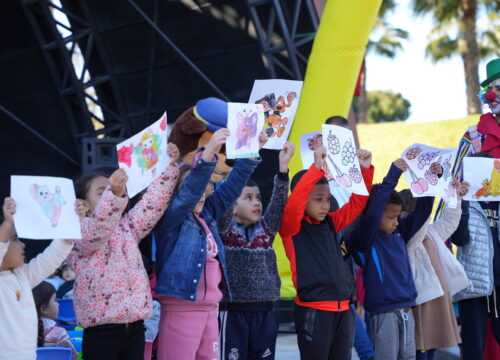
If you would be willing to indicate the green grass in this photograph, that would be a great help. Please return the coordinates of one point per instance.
(388, 140)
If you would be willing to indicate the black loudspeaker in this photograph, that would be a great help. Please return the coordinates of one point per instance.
(99, 153)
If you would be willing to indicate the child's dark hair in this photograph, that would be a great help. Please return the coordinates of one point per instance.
(42, 294)
(482, 154)
(82, 184)
(409, 202)
(337, 120)
(251, 183)
(296, 178)
(394, 198)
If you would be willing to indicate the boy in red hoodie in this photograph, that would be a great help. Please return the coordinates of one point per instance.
(321, 265)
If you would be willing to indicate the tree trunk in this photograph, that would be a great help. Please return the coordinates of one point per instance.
(362, 116)
(470, 54)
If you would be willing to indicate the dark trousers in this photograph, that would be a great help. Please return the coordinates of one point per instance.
(324, 335)
(114, 342)
(473, 319)
(248, 335)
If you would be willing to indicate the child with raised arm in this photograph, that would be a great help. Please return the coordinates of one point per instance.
(190, 256)
(249, 326)
(18, 317)
(111, 295)
(321, 266)
(389, 288)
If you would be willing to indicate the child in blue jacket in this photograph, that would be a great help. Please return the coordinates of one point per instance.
(390, 291)
(190, 256)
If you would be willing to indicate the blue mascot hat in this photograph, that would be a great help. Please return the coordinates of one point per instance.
(213, 112)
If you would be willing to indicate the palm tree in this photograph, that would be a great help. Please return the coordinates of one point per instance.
(456, 32)
(385, 41)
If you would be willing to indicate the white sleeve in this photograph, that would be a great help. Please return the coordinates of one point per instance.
(47, 262)
(4, 246)
(448, 223)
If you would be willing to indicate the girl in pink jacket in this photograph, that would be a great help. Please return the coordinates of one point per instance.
(111, 292)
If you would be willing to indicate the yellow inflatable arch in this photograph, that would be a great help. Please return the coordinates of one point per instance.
(329, 83)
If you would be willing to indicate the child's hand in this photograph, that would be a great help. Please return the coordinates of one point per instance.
(436, 169)
(68, 241)
(118, 180)
(401, 164)
(320, 156)
(365, 158)
(218, 139)
(9, 209)
(81, 208)
(262, 139)
(462, 188)
(285, 155)
(173, 152)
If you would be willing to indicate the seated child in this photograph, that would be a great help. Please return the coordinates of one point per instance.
(190, 256)
(390, 292)
(17, 311)
(47, 308)
(68, 275)
(249, 326)
(112, 296)
(321, 266)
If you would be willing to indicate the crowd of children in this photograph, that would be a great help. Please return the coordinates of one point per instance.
(216, 270)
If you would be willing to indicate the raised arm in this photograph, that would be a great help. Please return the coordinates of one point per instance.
(146, 213)
(276, 206)
(461, 236)
(7, 226)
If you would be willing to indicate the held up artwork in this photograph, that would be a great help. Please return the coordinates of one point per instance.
(425, 163)
(45, 207)
(343, 164)
(280, 99)
(144, 156)
(483, 175)
(245, 122)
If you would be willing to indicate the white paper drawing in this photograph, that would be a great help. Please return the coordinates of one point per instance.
(308, 143)
(144, 156)
(45, 207)
(343, 164)
(422, 175)
(483, 175)
(280, 99)
(245, 122)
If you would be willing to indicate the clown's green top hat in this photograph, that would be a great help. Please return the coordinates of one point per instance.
(492, 71)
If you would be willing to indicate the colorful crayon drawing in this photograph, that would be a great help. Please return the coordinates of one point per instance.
(50, 202)
(274, 122)
(490, 187)
(247, 129)
(146, 152)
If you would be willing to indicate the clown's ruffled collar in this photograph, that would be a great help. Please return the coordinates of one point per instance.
(489, 126)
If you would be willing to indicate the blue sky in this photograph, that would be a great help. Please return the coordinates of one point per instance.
(435, 91)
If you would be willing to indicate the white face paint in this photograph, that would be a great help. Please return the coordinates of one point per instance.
(495, 104)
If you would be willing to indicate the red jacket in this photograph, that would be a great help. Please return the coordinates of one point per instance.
(321, 268)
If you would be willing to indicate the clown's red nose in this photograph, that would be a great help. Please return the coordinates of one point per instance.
(490, 96)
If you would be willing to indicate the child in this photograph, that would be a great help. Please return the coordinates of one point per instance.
(190, 256)
(66, 273)
(321, 267)
(248, 325)
(437, 276)
(390, 290)
(111, 294)
(47, 308)
(17, 310)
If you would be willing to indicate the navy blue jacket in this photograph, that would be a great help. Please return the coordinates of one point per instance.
(181, 241)
(386, 269)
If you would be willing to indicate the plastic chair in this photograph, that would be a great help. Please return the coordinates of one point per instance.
(75, 334)
(53, 353)
(67, 317)
(148, 350)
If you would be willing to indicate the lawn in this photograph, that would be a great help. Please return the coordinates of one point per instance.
(388, 140)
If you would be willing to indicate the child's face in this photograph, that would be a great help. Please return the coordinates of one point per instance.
(51, 310)
(248, 207)
(15, 254)
(318, 203)
(68, 274)
(390, 218)
(96, 189)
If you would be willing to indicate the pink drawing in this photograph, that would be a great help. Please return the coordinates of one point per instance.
(163, 124)
(342, 179)
(355, 174)
(51, 203)
(246, 130)
(418, 185)
(125, 154)
(431, 177)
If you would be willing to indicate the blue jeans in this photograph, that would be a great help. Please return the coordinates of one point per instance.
(362, 343)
